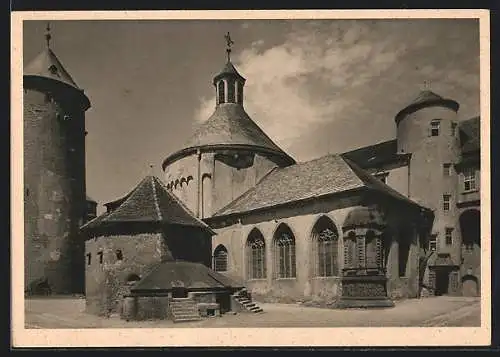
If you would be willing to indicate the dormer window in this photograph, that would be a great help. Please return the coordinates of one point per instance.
(435, 127)
(53, 70)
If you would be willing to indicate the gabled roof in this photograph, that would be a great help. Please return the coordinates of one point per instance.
(231, 127)
(327, 175)
(470, 135)
(47, 65)
(148, 202)
(376, 155)
(193, 276)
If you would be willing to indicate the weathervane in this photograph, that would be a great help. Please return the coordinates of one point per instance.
(229, 43)
(47, 34)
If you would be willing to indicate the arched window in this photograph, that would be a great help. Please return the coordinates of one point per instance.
(220, 91)
(230, 91)
(220, 258)
(325, 247)
(284, 252)
(256, 255)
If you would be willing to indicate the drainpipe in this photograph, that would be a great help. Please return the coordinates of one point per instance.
(409, 171)
(198, 152)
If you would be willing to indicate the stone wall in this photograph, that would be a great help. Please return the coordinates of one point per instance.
(301, 220)
(54, 191)
(104, 281)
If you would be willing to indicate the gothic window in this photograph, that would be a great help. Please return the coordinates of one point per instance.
(119, 254)
(469, 180)
(435, 127)
(230, 91)
(325, 244)
(449, 235)
(220, 91)
(446, 202)
(349, 246)
(256, 255)
(284, 249)
(220, 258)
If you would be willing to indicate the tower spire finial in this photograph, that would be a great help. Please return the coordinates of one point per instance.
(427, 85)
(229, 43)
(48, 35)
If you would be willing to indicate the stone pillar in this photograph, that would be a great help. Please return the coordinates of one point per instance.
(412, 268)
(393, 264)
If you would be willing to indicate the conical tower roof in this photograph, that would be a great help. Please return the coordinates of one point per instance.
(47, 65)
(426, 98)
(149, 202)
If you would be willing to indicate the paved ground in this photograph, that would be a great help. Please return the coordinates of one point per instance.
(434, 311)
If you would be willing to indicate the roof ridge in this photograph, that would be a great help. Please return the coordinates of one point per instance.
(155, 198)
(181, 203)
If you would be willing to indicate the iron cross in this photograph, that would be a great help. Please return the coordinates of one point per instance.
(229, 43)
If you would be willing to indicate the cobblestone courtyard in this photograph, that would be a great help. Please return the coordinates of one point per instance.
(435, 311)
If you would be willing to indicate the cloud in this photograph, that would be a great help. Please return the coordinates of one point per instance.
(331, 74)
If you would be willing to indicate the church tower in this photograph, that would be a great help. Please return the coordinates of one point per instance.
(54, 176)
(227, 155)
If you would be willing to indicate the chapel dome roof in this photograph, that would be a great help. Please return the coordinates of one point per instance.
(426, 98)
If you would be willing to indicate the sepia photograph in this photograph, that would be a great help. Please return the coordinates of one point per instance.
(206, 173)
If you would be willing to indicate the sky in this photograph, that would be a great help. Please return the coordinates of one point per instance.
(314, 86)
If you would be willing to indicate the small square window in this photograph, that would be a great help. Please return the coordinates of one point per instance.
(446, 169)
(469, 180)
(100, 254)
(433, 243)
(449, 236)
(435, 128)
(89, 258)
(446, 202)
(453, 129)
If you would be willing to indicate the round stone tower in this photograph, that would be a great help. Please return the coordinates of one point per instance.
(226, 156)
(427, 129)
(54, 176)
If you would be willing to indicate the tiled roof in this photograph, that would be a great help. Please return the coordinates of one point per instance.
(426, 96)
(47, 65)
(231, 126)
(320, 177)
(375, 155)
(149, 201)
(192, 275)
(423, 99)
(470, 134)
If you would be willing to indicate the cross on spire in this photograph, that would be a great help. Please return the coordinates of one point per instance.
(47, 35)
(229, 43)
(427, 84)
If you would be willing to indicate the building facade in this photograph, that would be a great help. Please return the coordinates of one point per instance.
(54, 177)
(283, 226)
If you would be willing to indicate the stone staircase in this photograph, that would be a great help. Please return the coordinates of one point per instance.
(184, 310)
(245, 301)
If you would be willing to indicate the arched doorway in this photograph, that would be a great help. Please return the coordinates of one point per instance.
(470, 286)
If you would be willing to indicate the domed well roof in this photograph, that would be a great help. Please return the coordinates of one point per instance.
(364, 217)
(47, 65)
(230, 127)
